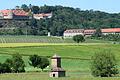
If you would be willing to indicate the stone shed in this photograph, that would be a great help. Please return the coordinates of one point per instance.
(56, 69)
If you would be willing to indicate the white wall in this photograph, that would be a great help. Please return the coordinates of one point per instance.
(72, 34)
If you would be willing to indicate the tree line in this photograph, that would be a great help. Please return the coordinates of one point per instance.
(16, 63)
(66, 18)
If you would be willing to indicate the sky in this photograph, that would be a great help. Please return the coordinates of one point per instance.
(110, 6)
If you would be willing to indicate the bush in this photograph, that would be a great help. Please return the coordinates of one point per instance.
(104, 65)
(112, 37)
(78, 38)
(38, 61)
(15, 64)
(44, 63)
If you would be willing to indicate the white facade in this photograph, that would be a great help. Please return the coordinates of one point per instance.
(42, 16)
(89, 32)
(73, 32)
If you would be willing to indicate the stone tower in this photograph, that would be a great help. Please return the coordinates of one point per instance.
(56, 69)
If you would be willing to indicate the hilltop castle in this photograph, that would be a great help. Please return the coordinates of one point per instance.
(21, 14)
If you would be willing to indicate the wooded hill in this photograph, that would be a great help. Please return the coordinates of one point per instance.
(63, 18)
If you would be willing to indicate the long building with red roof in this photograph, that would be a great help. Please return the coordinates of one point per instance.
(89, 32)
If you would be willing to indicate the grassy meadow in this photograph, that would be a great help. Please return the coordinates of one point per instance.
(76, 58)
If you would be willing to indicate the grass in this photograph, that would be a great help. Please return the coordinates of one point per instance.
(76, 58)
(45, 76)
(81, 51)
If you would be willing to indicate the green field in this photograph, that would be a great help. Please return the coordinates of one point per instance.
(76, 58)
(42, 39)
(45, 76)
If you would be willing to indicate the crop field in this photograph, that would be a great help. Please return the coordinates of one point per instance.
(76, 59)
(42, 39)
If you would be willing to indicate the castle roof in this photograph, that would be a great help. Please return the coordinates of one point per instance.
(74, 31)
(17, 12)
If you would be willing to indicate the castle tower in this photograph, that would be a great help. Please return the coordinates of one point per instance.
(56, 69)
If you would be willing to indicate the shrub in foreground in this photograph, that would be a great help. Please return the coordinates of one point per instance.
(15, 65)
(104, 64)
(38, 61)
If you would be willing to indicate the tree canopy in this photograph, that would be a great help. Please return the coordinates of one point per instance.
(38, 61)
(104, 64)
(78, 38)
(64, 18)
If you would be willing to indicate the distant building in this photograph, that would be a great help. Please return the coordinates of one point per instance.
(110, 31)
(13, 14)
(89, 32)
(73, 32)
(42, 15)
(21, 14)
(56, 70)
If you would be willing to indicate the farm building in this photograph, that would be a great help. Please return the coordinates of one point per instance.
(42, 16)
(89, 32)
(73, 32)
(110, 31)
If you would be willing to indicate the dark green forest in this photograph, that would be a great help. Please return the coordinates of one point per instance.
(65, 18)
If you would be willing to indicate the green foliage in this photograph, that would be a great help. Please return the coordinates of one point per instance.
(4, 68)
(15, 64)
(111, 37)
(78, 38)
(34, 60)
(35, 9)
(104, 64)
(44, 63)
(62, 18)
(25, 7)
(98, 33)
(38, 61)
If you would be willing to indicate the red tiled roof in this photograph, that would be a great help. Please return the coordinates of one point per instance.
(110, 30)
(18, 12)
(91, 31)
(74, 30)
(5, 12)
